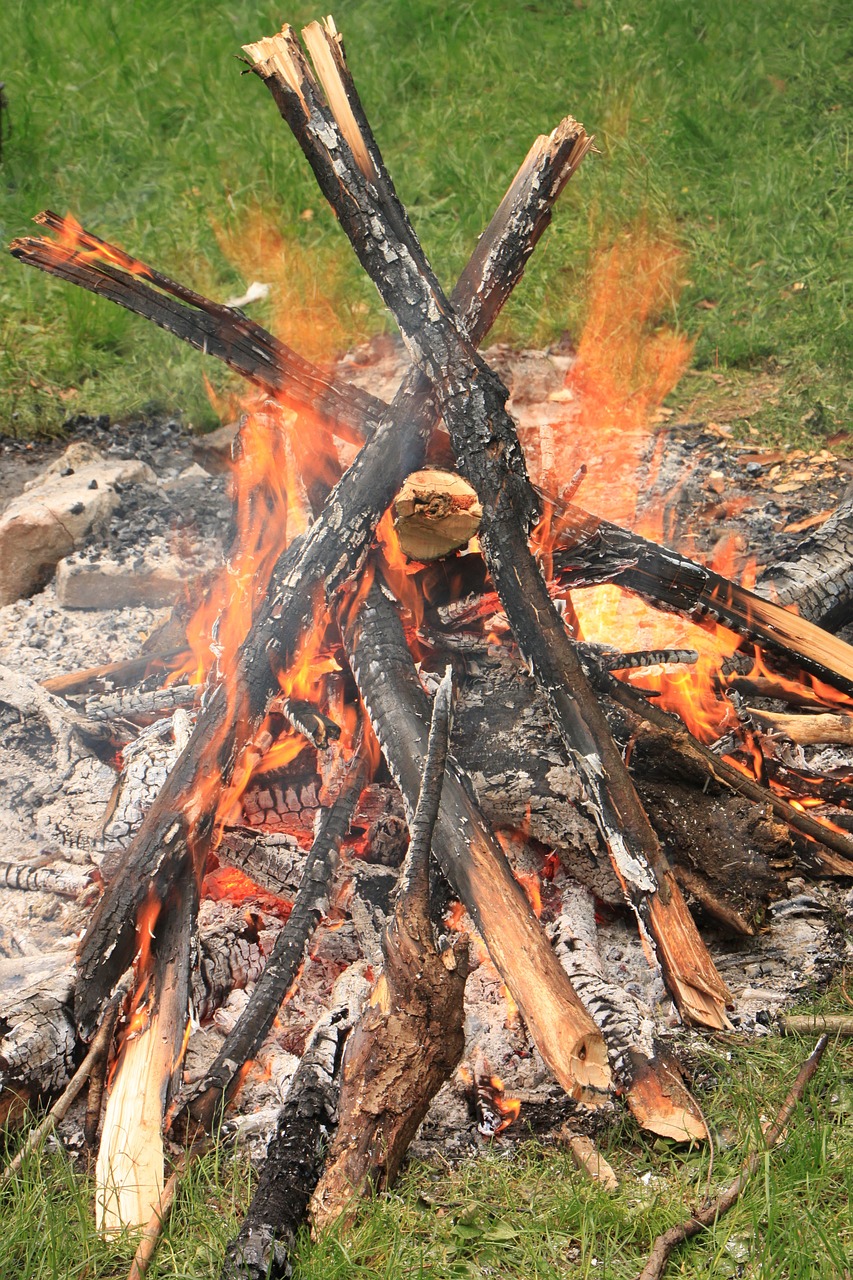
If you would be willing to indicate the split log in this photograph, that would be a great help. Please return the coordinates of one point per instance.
(807, 730)
(472, 402)
(129, 1171)
(205, 1100)
(297, 1150)
(819, 580)
(469, 856)
(332, 549)
(410, 1037)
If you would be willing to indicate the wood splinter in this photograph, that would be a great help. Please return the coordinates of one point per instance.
(410, 1037)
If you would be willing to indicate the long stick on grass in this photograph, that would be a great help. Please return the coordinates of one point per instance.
(708, 1214)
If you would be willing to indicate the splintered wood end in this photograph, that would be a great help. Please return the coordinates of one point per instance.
(323, 42)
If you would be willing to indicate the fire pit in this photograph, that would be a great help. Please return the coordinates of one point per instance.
(241, 791)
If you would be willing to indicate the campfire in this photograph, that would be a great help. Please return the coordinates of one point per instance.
(428, 739)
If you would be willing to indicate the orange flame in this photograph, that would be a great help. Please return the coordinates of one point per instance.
(626, 364)
(74, 238)
(506, 1106)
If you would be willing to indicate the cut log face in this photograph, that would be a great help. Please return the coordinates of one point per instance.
(435, 512)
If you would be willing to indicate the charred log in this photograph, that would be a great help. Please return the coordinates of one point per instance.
(818, 579)
(332, 549)
(469, 856)
(297, 1150)
(472, 402)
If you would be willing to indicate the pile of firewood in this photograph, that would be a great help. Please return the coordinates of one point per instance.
(378, 1056)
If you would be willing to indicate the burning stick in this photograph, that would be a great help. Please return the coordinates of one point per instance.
(205, 1100)
(331, 550)
(129, 1169)
(470, 857)
(472, 402)
(710, 1212)
(679, 739)
(410, 1037)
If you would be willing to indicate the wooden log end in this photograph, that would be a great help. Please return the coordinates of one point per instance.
(699, 992)
(659, 1102)
(435, 513)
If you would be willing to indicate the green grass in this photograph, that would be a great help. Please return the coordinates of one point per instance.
(725, 120)
(531, 1217)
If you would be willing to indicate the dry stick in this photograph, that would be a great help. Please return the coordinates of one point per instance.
(681, 740)
(333, 549)
(206, 1100)
(470, 857)
(411, 1035)
(809, 1024)
(111, 675)
(709, 1213)
(472, 402)
(98, 1052)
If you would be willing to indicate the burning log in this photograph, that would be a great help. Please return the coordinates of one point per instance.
(410, 1037)
(85, 260)
(330, 551)
(206, 1099)
(836, 856)
(297, 1150)
(472, 403)
(469, 856)
(593, 551)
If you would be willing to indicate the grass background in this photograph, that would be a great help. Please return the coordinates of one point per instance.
(531, 1217)
(725, 122)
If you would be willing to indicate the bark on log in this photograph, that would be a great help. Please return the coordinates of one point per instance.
(472, 402)
(651, 1080)
(332, 549)
(469, 856)
(818, 579)
(261, 1250)
(410, 1037)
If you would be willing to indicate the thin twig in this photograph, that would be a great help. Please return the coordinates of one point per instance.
(708, 1214)
(98, 1050)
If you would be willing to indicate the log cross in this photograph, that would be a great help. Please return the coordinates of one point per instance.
(340, 147)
